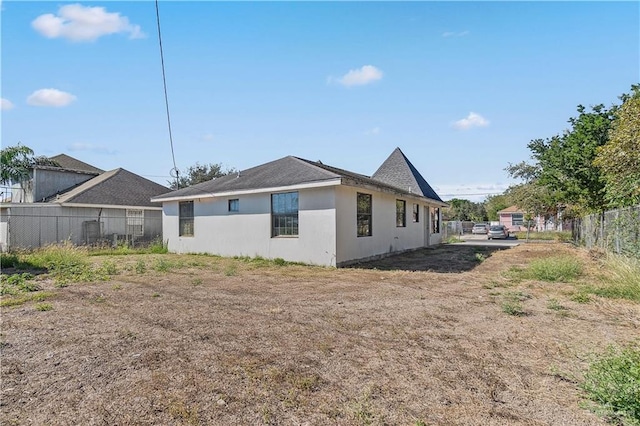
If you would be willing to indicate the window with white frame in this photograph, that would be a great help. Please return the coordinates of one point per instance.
(234, 205)
(517, 219)
(135, 222)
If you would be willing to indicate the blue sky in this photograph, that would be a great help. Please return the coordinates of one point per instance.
(460, 87)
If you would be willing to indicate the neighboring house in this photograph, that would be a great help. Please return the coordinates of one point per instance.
(513, 218)
(82, 204)
(305, 211)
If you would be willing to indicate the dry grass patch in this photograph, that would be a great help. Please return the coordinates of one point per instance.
(242, 341)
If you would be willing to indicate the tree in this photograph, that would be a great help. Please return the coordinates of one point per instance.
(460, 209)
(494, 203)
(17, 163)
(619, 158)
(199, 173)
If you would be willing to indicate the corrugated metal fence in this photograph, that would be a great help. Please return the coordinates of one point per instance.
(617, 231)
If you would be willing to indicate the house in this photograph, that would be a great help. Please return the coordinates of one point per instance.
(82, 204)
(305, 211)
(514, 219)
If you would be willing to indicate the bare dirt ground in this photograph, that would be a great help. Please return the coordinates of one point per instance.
(419, 339)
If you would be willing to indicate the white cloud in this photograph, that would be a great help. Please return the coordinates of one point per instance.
(448, 34)
(374, 131)
(6, 104)
(84, 23)
(207, 137)
(50, 97)
(359, 77)
(475, 192)
(80, 146)
(472, 120)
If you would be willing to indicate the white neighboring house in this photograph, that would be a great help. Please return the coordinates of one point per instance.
(305, 211)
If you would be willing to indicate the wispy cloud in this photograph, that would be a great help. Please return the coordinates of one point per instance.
(470, 121)
(208, 137)
(448, 34)
(475, 192)
(367, 74)
(84, 23)
(80, 146)
(374, 131)
(50, 98)
(6, 104)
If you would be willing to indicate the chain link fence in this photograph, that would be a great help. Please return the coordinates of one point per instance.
(134, 228)
(617, 231)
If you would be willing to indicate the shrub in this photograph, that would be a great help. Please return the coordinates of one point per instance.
(8, 260)
(613, 383)
(555, 269)
(18, 283)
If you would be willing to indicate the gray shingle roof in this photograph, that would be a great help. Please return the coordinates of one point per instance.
(67, 162)
(117, 187)
(289, 171)
(398, 171)
(283, 172)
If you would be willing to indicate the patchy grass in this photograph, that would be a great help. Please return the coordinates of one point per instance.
(621, 280)
(613, 383)
(212, 340)
(562, 236)
(551, 269)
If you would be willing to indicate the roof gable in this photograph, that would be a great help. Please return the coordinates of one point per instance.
(398, 171)
(67, 162)
(117, 187)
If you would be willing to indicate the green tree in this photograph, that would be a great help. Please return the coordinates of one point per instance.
(17, 163)
(199, 173)
(619, 158)
(494, 203)
(460, 209)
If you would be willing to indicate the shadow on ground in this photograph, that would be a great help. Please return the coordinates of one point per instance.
(447, 258)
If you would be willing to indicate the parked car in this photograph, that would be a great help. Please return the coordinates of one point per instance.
(480, 228)
(498, 231)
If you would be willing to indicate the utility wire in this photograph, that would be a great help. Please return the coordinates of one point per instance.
(166, 98)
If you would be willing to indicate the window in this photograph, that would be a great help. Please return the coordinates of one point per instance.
(364, 216)
(401, 213)
(185, 219)
(234, 205)
(284, 214)
(135, 222)
(435, 220)
(416, 213)
(517, 218)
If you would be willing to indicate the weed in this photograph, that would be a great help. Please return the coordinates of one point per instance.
(554, 305)
(279, 261)
(155, 295)
(24, 298)
(18, 283)
(65, 263)
(555, 269)
(613, 383)
(512, 307)
(622, 280)
(141, 266)
(196, 281)
(8, 260)
(43, 307)
(117, 286)
(164, 265)
(480, 257)
(581, 297)
(109, 267)
(99, 299)
(231, 271)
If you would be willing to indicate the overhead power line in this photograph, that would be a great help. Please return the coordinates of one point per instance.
(166, 99)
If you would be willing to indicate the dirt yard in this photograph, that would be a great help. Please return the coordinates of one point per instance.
(414, 340)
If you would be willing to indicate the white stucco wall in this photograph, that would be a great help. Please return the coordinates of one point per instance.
(248, 231)
(386, 236)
